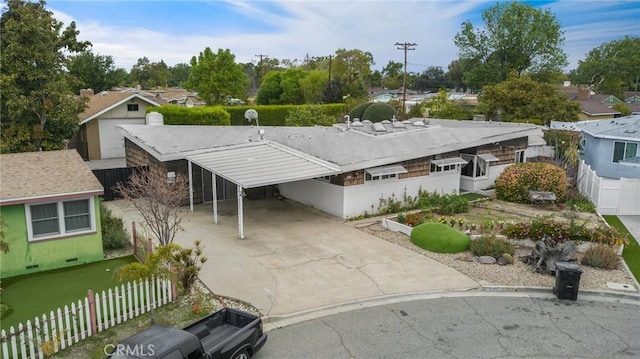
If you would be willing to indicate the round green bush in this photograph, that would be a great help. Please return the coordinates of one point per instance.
(491, 246)
(378, 112)
(439, 238)
(358, 111)
(515, 182)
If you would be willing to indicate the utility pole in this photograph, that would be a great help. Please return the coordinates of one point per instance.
(405, 46)
(260, 66)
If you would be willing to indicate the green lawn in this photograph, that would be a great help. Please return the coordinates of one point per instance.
(36, 294)
(631, 253)
(471, 196)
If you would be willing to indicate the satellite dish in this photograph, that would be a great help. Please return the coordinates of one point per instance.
(251, 114)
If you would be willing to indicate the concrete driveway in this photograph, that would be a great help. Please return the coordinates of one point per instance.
(295, 259)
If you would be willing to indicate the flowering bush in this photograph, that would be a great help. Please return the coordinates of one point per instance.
(562, 231)
(515, 182)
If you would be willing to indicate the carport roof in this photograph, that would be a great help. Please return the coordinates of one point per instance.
(261, 164)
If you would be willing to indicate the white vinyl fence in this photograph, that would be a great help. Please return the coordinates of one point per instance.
(611, 196)
(66, 326)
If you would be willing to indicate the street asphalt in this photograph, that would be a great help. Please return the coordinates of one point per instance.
(469, 325)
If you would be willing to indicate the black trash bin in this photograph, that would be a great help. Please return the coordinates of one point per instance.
(567, 280)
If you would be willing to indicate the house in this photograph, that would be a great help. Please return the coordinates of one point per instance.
(49, 203)
(612, 147)
(178, 96)
(98, 138)
(609, 169)
(344, 170)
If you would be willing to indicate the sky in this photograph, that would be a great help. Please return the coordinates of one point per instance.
(175, 31)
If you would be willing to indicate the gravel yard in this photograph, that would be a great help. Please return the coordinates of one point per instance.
(517, 274)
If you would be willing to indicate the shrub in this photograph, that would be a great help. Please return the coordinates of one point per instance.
(445, 204)
(401, 218)
(275, 115)
(114, 235)
(579, 202)
(358, 111)
(562, 231)
(491, 246)
(378, 112)
(308, 115)
(601, 256)
(180, 115)
(515, 182)
(439, 238)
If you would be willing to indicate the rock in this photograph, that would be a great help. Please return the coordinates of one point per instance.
(487, 260)
(467, 257)
(508, 257)
(503, 261)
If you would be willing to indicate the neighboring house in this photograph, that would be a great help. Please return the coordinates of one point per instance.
(612, 147)
(178, 96)
(98, 138)
(609, 172)
(344, 170)
(50, 204)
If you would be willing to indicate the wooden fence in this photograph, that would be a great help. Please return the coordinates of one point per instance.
(66, 326)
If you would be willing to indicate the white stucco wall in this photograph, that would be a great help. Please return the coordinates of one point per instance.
(353, 201)
(470, 184)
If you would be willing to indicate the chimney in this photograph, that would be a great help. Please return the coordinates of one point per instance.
(86, 92)
(584, 94)
(138, 88)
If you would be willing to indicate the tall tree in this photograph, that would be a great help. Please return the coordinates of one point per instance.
(611, 68)
(515, 37)
(523, 99)
(178, 74)
(39, 111)
(431, 79)
(312, 86)
(270, 90)
(96, 72)
(216, 77)
(392, 75)
(353, 67)
(150, 74)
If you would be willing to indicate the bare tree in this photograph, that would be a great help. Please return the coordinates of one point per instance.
(158, 199)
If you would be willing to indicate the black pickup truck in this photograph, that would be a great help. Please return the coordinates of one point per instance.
(227, 333)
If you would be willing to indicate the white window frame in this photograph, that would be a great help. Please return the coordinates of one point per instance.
(625, 155)
(392, 173)
(481, 167)
(520, 156)
(63, 232)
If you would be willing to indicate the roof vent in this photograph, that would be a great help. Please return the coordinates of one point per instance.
(356, 124)
(385, 122)
(418, 123)
(366, 121)
(406, 122)
(629, 131)
(399, 125)
(378, 127)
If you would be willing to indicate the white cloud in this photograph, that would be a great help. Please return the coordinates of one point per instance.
(319, 28)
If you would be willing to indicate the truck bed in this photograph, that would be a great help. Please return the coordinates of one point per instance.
(214, 331)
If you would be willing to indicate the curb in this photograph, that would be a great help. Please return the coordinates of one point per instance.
(280, 321)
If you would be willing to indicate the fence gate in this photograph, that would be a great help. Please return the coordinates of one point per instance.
(110, 177)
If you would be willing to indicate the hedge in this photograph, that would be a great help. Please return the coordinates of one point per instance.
(180, 115)
(274, 115)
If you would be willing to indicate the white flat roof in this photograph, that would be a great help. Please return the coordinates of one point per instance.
(262, 164)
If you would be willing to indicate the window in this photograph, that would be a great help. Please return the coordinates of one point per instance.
(50, 220)
(132, 107)
(383, 173)
(478, 164)
(520, 156)
(446, 165)
(624, 150)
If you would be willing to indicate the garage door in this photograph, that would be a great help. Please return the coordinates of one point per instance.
(111, 141)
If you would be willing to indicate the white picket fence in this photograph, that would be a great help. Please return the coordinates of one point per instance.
(97, 312)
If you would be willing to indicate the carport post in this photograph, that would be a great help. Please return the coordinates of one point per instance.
(190, 185)
(215, 198)
(240, 213)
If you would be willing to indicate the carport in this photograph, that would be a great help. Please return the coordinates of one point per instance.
(255, 164)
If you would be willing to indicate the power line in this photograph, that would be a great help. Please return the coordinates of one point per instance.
(405, 46)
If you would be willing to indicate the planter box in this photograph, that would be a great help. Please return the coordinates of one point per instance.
(396, 227)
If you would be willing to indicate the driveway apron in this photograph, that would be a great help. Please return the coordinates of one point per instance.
(295, 259)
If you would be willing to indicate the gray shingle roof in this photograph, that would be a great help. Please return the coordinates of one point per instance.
(348, 148)
(30, 175)
(620, 128)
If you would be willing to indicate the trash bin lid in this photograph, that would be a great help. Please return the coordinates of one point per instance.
(568, 267)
